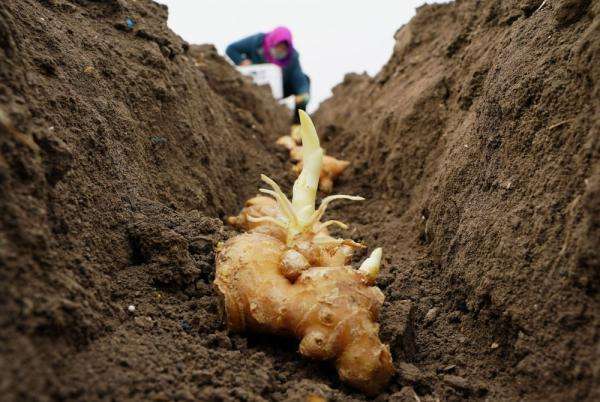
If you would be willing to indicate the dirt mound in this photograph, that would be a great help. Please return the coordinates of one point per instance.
(121, 149)
(479, 145)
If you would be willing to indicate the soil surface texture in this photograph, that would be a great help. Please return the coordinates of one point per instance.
(122, 148)
(478, 146)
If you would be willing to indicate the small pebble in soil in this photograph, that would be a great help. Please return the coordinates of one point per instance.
(431, 315)
(409, 373)
(494, 345)
(131, 308)
(447, 369)
(456, 382)
(466, 385)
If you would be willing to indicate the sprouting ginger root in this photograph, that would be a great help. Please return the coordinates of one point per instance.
(288, 276)
(333, 310)
(330, 170)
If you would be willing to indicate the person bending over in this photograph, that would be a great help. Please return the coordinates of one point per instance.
(275, 47)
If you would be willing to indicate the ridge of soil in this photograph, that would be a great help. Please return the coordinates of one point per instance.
(122, 147)
(478, 147)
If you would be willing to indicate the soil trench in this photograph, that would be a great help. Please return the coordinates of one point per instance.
(123, 148)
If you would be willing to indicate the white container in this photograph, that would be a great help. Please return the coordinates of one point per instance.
(267, 73)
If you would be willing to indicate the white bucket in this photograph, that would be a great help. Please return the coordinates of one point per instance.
(265, 74)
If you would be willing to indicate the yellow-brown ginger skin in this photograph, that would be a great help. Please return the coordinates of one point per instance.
(330, 255)
(330, 170)
(332, 310)
(257, 207)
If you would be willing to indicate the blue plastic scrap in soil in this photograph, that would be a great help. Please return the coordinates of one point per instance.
(130, 23)
(185, 326)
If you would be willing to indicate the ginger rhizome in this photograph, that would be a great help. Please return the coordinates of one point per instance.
(287, 275)
(331, 167)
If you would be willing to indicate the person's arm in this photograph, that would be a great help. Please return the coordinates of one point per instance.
(299, 82)
(242, 49)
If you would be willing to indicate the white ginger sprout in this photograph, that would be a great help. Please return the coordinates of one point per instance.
(370, 266)
(300, 216)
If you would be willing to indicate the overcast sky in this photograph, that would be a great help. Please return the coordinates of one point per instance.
(333, 37)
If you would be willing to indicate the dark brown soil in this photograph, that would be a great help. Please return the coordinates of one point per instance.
(479, 146)
(122, 147)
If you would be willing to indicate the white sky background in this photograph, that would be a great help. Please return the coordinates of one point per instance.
(333, 37)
